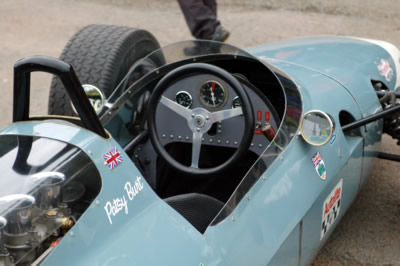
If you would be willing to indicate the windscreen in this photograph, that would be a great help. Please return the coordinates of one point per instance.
(129, 95)
(147, 69)
(281, 138)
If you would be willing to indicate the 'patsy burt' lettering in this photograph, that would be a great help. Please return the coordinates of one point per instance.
(132, 191)
(114, 206)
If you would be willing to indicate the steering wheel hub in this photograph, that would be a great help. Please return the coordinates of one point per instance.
(200, 120)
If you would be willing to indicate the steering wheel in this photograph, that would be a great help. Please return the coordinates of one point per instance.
(200, 119)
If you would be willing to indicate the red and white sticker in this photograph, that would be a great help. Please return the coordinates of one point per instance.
(331, 208)
(385, 69)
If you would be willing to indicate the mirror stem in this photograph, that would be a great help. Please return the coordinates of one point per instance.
(371, 118)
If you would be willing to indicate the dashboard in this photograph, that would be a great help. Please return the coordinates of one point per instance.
(214, 94)
(211, 94)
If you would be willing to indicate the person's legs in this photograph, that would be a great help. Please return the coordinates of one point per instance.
(201, 17)
(212, 5)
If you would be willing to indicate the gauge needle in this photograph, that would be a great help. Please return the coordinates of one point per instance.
(212, 92)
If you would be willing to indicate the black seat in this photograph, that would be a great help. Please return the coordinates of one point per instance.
(198, 209)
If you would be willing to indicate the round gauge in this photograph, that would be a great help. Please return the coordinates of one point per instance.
(184, 98)
(212, 94)
(236, 102)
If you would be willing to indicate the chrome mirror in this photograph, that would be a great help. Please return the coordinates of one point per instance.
(96, 98)
(316, 127)
(3, 223)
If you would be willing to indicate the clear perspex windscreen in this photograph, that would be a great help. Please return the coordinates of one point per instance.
(146, 69)
(285, 134)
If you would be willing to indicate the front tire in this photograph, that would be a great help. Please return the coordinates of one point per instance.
(101, 55)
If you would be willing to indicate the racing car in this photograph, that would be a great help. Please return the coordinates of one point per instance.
(197, 153)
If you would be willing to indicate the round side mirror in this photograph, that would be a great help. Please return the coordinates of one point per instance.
(3, 223)
(96, 98)
(316, 127)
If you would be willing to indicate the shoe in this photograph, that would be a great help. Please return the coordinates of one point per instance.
(220, 34)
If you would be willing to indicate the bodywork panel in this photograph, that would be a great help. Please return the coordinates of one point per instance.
(282, 210)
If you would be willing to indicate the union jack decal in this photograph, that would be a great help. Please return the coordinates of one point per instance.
(316, 159)
(113, 158)
(319, 165)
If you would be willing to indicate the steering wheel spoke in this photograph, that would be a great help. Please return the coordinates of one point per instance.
(196, 147)
(177, 108)
(225, 114)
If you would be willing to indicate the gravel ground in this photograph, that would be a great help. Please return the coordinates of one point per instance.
(370, 231)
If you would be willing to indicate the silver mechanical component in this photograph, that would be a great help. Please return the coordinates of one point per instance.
(49, 196)
(19, 214)
(3, 250)
(95, 96)
(25, 226)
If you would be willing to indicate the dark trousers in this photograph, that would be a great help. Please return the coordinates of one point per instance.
(201, 17)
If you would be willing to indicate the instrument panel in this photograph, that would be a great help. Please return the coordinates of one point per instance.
(209, 92)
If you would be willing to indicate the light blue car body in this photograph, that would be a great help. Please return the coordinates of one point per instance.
(278, 221)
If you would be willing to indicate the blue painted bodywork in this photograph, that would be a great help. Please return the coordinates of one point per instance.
(349, 61)
(278, 221)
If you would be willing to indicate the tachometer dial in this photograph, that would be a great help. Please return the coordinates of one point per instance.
(212, 94)
(184, 98)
